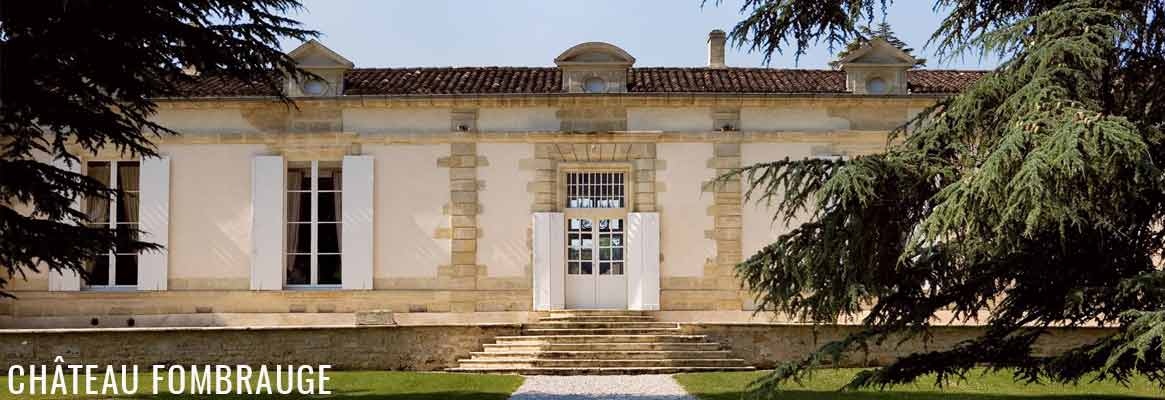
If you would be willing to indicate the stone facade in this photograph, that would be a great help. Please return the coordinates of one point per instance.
(432, 252)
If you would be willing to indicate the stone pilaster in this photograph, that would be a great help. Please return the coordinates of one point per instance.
(727, 226)
(463, 210)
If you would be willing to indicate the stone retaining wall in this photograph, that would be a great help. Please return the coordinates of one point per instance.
(422, 348)
(419, 347)
(764, 345)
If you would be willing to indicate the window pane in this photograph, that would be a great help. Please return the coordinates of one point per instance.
(329, 207)
(126, 235)
(329, 269)
(127, 175)
(98, 271)
(586, 268)
(299, 207)
(98, 170)
(330, 178)
(97, 208)
(329, 235)
(617, 268)
(298, 269)
(127, 207)
(572, 268)
(604, 268)
(299, 238)
(604, 254)
(298, 176)
(127, 269)
(617, 254)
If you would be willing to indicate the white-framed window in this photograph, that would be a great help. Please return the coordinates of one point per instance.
(596, 190)
(118, 269)
(313, 224)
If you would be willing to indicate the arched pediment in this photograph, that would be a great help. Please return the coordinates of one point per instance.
(594, 53)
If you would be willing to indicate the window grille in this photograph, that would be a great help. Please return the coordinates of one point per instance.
(596, 190)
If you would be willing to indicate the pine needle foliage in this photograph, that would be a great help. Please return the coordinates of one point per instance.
(1034, 199)
(79, 76)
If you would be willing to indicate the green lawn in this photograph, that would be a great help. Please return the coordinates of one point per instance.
(993, 386)
(368, 385)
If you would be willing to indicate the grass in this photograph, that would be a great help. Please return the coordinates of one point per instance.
(370, 385)
(992, 386)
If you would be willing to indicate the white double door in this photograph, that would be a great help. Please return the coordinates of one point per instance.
(596, 275)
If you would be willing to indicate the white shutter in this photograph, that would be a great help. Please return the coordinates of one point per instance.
(66, 281)
(643, 261)
(549, 261)
(267, 223)
(154, 215)
(356, 230)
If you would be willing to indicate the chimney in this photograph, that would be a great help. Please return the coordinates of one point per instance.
(716, 40)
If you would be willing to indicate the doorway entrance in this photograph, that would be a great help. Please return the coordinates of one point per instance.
(596, 241)
(595, 263)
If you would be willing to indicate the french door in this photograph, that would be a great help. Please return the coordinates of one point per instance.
(595, 262)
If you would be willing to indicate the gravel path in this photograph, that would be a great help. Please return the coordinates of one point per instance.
(632, 387)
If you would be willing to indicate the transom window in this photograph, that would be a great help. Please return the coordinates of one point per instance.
(596, 190)
(118, 268)
(313, 224)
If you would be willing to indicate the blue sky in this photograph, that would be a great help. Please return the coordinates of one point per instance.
(429, 33)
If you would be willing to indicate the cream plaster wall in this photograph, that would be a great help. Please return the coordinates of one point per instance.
(542, 119)
(396, 120)
(505, 202)
(206, 120)
(684, 208)
(210, 211)
(671, 119)
(758, 227)
(790, 119)
(410, 193)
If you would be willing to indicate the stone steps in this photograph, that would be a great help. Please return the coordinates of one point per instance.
(572, 363)
(597, 371)
(598, 331)
(602, 325)
(604, 355)
(610, 346)
(600, 318)
(539, 339)
(606, 342)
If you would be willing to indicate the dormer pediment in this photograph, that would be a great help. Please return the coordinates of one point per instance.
(318, 59)
(878, 52)
(314, 54)
(594, 67)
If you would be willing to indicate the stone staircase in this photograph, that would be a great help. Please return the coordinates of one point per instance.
(601, 342)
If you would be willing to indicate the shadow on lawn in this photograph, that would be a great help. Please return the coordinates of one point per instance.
(893, 395)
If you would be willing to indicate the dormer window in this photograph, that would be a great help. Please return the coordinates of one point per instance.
(327, 66)
(594, 67)
(876, 68)
(594, 85)
(876, 86)
(315, 87)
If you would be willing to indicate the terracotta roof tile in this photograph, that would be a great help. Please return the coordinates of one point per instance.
(537, 80)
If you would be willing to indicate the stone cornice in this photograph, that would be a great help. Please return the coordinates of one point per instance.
(560, 100)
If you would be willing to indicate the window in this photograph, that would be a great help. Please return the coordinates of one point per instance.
(313, 224)
(594, 85)
(314, 87)
(595, 190)
(119, 268)
(876, 86)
